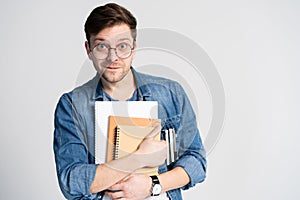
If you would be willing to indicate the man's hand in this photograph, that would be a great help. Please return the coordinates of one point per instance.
(151, 152)
(134, 187)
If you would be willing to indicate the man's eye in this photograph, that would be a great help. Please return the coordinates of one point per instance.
(123, 46)
(101, 46)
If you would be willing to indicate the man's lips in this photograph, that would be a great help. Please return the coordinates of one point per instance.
(113, 67)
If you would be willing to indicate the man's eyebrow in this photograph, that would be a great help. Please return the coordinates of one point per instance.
(104, 40)
(122, 39)
(101, 39)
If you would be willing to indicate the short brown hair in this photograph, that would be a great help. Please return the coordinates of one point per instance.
(107, 16)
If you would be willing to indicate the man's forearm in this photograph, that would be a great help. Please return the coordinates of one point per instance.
(110, 173)
(176, 178)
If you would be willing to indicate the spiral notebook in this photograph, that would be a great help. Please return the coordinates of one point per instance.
(104, 109)
(125, 135)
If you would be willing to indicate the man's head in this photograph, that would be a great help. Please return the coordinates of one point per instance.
(107, 16)
(111, 34)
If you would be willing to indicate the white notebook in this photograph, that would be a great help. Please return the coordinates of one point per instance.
(103, 109)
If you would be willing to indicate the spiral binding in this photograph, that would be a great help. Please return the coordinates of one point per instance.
(116, 143)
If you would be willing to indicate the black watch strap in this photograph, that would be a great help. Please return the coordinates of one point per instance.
(155, 185)
(155, 179)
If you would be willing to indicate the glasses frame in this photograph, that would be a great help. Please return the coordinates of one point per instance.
(115, 49)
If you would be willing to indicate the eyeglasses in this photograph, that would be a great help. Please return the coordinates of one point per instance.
(122, 50)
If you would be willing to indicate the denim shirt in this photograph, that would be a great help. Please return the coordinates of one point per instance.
(74, 141)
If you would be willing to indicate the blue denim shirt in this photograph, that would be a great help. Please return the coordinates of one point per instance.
(74, 141)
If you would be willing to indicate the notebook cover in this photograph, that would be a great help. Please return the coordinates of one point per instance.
(124, 136)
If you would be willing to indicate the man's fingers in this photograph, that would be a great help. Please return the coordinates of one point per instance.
(115, 191)
(115, 187)
(115, 194)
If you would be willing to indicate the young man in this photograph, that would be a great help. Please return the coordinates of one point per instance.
(111, 42)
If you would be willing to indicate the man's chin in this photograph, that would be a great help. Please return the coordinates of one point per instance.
(112, 78)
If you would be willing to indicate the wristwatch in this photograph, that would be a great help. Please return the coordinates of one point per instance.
(156, 187)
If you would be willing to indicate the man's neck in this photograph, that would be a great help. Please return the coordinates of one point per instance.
(121, 90)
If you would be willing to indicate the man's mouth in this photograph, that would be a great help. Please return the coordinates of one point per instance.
(113, 67)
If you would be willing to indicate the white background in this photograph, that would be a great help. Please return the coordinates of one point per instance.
(254, 44)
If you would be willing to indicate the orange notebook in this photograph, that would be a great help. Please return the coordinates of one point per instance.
(125, 135)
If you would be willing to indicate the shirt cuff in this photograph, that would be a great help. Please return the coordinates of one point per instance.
(195, 168)
(80, 180)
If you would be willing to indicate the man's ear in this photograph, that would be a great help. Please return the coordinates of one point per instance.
(87, 48)
(134, 48)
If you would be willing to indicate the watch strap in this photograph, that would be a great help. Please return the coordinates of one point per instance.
(155, 181)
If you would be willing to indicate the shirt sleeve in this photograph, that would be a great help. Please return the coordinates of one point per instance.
(192, 156)
(75, 173)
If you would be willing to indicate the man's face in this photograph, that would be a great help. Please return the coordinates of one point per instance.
(112, 68)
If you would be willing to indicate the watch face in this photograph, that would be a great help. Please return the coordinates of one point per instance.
(156, 189)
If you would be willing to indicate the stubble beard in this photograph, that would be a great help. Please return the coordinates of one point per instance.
(114, 77)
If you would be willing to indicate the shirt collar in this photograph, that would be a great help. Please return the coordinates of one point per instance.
(99, 91)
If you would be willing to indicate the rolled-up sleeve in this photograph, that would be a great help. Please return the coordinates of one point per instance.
(195, 167)
(192, 155)
(75, 173)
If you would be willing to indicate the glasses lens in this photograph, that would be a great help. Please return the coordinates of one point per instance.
(100, 51)
(122, 50)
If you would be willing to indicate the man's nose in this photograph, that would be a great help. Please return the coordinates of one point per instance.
(112, 54)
